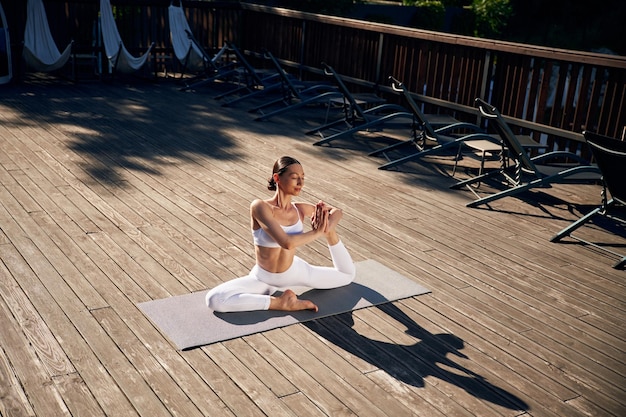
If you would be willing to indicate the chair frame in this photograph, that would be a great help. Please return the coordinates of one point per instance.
(609, 158)
(209, 63)
(355, 117)
(284, 82)
(431, 127)
(252, 79)
(274, 84)
(308, 94)
(524, 165)
(213, 71)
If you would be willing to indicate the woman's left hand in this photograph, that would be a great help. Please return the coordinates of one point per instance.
(319, 218)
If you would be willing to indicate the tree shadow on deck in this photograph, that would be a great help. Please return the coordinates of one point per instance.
(141, 125)
(411, 364)
(116, 126)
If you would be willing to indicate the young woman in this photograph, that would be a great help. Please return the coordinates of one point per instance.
(277, 230)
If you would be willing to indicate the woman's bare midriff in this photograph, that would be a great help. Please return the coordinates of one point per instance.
(275, 260)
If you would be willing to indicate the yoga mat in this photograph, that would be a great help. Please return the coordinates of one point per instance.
(187, 321)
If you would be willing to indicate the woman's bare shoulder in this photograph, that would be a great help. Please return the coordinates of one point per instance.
(259, 205)
(256, 202)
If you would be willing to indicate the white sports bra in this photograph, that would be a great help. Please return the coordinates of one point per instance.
(261, 238)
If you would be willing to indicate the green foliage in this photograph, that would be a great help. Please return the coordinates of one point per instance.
(431, 14)
(121, 12)
(479, 17)
(427, 4)
(570, 24)
(379, 18)
(491, 16)
(330, 7)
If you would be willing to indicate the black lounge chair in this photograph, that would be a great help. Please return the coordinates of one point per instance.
(524, 172)
(355, 117)
(214, 67)
(442, 130)
(296, 94)
(240, 72)
(271, 84)
(610, 155)
(288, 87)
(249, 78)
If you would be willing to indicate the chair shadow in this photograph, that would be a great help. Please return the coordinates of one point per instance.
(411, 364)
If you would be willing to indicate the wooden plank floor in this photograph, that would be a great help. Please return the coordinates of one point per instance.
(116, 193)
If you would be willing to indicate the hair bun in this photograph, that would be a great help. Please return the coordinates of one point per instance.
(271, 184)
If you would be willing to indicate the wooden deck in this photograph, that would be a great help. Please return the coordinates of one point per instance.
(116, 193)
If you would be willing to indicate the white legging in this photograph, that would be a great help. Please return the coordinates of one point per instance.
(253, 291)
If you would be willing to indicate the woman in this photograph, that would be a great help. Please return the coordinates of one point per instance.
(277, 230)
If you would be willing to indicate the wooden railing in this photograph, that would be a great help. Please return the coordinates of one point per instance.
(550, 93)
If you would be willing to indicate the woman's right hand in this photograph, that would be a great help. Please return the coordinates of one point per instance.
(319, 219)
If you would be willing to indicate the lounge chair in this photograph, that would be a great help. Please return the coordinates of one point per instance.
(40, 52)
(444, 131)
(239, 72)
(296, 94)
(276, 83)
(524, 172)
(291, 89)
(356, 118)
(248, 77)
(120, 60)
(216, 67)
(610, 155)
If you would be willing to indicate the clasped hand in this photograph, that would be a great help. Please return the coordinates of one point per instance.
(319, 218)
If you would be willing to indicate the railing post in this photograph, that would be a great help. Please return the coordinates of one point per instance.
(379, 58)
(486, 81)
(302, 48)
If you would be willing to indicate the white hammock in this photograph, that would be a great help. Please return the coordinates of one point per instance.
(186, 51)
(40, 51)
(6, 69)
(119, 57)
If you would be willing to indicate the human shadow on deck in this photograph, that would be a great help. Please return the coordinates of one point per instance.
(411, 364)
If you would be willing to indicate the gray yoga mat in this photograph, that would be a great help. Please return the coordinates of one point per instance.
(187, 321)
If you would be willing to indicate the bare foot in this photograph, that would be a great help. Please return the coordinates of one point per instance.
(289, 301)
